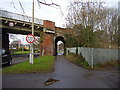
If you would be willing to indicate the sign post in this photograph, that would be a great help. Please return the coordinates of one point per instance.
(32, 45)
(30, 39)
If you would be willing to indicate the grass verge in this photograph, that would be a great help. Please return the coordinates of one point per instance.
(108, 65)
(78, 60)
(60, 51)
(20, 52)
(41, 64)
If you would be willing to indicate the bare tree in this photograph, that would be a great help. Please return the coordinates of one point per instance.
(85, 13)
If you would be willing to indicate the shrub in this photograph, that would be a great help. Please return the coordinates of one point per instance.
(20, 49)
(81, 58)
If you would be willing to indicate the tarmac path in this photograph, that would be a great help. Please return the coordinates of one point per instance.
(69, 74)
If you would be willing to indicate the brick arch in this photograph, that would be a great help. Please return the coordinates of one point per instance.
(58, 38)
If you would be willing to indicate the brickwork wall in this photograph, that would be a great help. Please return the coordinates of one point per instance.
(49, 24)
(47, 45)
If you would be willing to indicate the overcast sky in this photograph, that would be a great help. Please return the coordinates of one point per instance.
(45, 12)
(42, 12)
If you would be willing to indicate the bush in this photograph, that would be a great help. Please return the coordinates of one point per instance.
(20, 49)
(81, 58)
(78, 60)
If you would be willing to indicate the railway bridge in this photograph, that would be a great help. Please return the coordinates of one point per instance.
(20, 24)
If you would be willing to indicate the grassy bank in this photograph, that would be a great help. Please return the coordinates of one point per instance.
(60, 51)
(80, 61)
(42, 64)
(20, 52)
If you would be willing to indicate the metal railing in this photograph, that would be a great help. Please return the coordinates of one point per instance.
(20, 17)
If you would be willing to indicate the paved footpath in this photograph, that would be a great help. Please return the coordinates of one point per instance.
(70, 76)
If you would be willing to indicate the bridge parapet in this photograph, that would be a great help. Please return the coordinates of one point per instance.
(63, 31)
(16, 16)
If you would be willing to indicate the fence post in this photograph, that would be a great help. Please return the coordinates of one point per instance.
(76, 50)
(92, 58)
(66, 51)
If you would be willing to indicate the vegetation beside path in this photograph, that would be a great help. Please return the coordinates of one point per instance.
(80, 61)
(41, 64)
(20, 52)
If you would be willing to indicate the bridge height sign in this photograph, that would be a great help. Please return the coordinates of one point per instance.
(31, 39)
